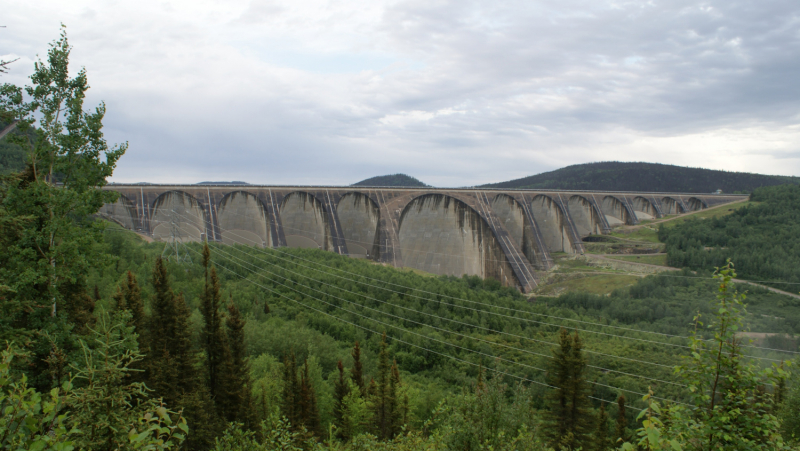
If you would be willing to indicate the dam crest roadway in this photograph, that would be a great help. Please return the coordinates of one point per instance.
(508, 235)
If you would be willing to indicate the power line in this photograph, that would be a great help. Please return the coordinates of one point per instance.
(265, 251)
(458, 322)
(433, 339)
(504, 308)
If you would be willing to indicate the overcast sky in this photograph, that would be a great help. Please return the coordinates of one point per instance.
(452, 92)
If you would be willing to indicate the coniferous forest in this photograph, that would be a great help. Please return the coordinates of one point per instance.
(112, 344)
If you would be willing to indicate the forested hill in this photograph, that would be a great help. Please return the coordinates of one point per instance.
(391, 180)
(618, 176)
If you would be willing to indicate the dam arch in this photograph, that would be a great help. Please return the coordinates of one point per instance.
(243, 219)
(615, 211)
(552, 224)
(643, 208)
(695, 204)
(585, 216)
(359, 218)
(442, 235)
(517, 224)
(305, 221)
(671, 206)
(184, 210)
(122, 211)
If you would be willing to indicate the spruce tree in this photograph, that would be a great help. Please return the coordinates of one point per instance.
(238, 405)
(357, 372)
(340, 391)
(171, 371)
(309, 412)
(383, 395)
(213, 339)
(162, 372)
(398, 404)
(601, 439)
(621, 426)
(129, 297)
(569, 420)
(290, 395)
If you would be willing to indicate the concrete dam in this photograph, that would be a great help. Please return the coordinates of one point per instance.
(508, 235)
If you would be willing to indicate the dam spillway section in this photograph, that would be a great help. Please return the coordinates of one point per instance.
(508, 235)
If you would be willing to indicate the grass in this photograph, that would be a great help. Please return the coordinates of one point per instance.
(570, 276)
(640, 233)
(660, 260)
(714, 212)
(595, 284)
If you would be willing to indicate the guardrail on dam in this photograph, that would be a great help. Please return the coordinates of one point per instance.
(505, 234)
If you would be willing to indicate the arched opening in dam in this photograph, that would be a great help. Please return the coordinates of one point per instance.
(615, 212)
(671, 206)
(643, 209)
(122, 211)
(520, 230)
(243, 219)
(695, 204)
(552, 224)
(179, 213)
(359, 218)
(442, 235)
(585, 217)
(305, 223)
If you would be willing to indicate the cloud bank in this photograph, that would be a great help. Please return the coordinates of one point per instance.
(452, 92)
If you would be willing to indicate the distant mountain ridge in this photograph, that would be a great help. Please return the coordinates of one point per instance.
(655, 177)
(391, 180)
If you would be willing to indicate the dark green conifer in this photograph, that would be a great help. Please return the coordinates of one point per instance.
(569, 420)
(340, 391)
(309, 412)
(601, 439)
(398, 406)
(357, 372)
(213, 339)
(290, 395)
(621, 426)
(238, 405)
(383, 394)
(129, 297)
(161, 366)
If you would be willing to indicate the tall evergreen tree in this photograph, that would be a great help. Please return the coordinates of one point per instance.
(129, 297)
(238, 403)
(569, 420)
(621, 425)
(601, 440)
(309, 412)
(171, 365)
(340, 391)
(357, 372)
(161, 366)
(290, 395)
(384, 396)
(213, 338)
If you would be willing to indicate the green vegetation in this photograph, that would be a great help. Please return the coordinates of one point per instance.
(651, 177)
(660, 260)
(391, 180)
(761, 238)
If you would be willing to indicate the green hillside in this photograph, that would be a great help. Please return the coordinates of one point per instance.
(618, 176)
(391, 180)
(761, 238)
